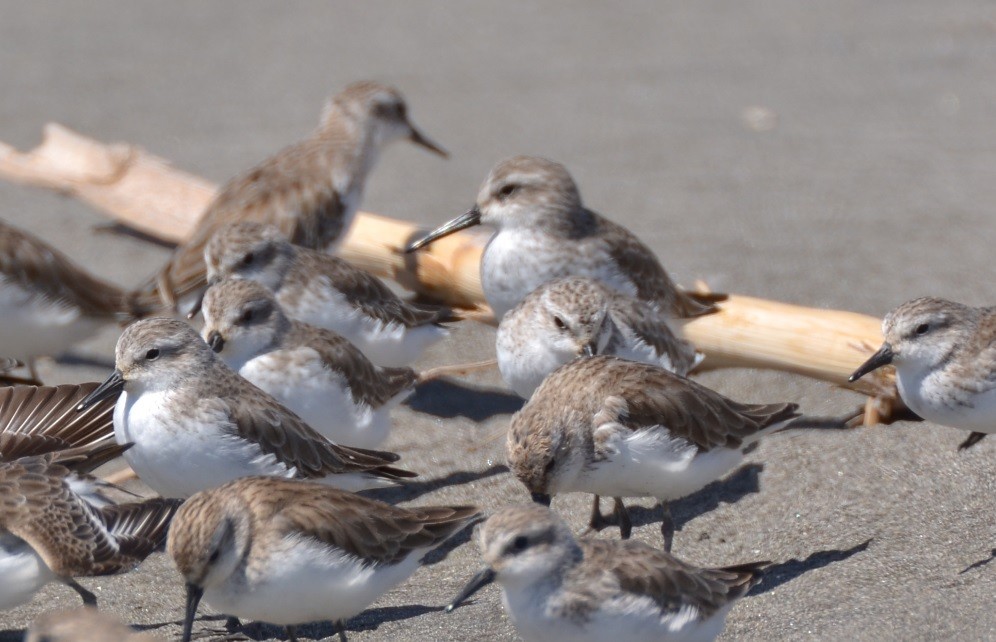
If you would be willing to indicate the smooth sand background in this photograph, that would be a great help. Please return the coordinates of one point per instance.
(871, 181)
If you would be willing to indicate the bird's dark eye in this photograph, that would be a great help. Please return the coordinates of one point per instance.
(550, 465)
(152, 354)
(519, 543)
(557, 321)
(215, 554)
(922, 329)
(507, 191)
(248, 259)
(246, 316)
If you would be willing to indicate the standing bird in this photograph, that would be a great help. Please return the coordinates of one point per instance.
(328, 292)
(544, 232)
(47, 302)
(49, 533)
(310, 190)
(315, 373)
(619, 428)
(289, 552)
(556, 588)
(195, 423)
(576, 316)
(945, 358)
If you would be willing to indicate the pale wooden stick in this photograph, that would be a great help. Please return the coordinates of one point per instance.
(145, 192)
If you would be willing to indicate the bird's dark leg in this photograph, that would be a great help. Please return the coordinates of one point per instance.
(341, 628)
(89, 599)
(973, 439)
(232, 624)
(597, 521)
(667, 526)
(621, 514)
(291, 632)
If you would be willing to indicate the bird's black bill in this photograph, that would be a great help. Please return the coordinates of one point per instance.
(216, 341)
(111, 387)
(196, 307)
(471, 218)
(881, 358)
(419, 138)
(541, 498)
(194, 593)
(476, 583)
(589, 350)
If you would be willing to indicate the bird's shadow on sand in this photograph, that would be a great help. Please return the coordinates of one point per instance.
(409, 490)
(744, 481)
(783, 572)
(369, 620)
(447, 399)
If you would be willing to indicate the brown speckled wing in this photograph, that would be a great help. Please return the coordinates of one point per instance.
(292, 190)
(365, 291)
(651, 279)
(671, 583)
(656, 397)
(32, 264)
(374, 531)
(72, 537)
(259, 418)
(650, 326)
(368, 384)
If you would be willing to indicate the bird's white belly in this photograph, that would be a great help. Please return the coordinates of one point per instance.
(305, 581)
(650, 463)
(32, 326)
(321, 398)
(524, 365)
(178, 456)
(389, 345)
(22, 572)
(516, 262)
(929, 398)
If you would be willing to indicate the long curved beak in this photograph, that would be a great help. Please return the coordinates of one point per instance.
(542, 498)
(216, 341)
(111, 387)
(475, 584)
(881, 358)
(194, 594)
(421, 139)
(471, 218)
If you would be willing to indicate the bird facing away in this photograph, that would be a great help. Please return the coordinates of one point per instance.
(47, 302)
(195, 423)
(50, 533)
(310, 190)
(576, 316)
(314, 372)
(557, 588)
(544, 232)
(328, 292)
(945, 359)
(619, 428)
(289, 552)
(83, 625)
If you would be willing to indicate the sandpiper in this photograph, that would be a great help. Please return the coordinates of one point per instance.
(50, 533)
(328, 292)
(83, 625)
(314, 372)
(557, 588)
(945, 359)
(290, 552)
(310, 190)
(619, 428)
(576, 316)
(195, 423)
(544, 232)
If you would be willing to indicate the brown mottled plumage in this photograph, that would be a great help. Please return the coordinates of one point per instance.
(560, 588)
(310, 190)
(326, 291)
(72, 537)
(235, 544)
(544, 232)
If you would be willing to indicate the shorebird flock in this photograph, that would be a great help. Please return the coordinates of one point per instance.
(259, 430)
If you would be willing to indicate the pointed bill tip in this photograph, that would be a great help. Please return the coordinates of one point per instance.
(468, 219)
(475, 584)
(111, 387)
(881, 358)
(422, 140)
